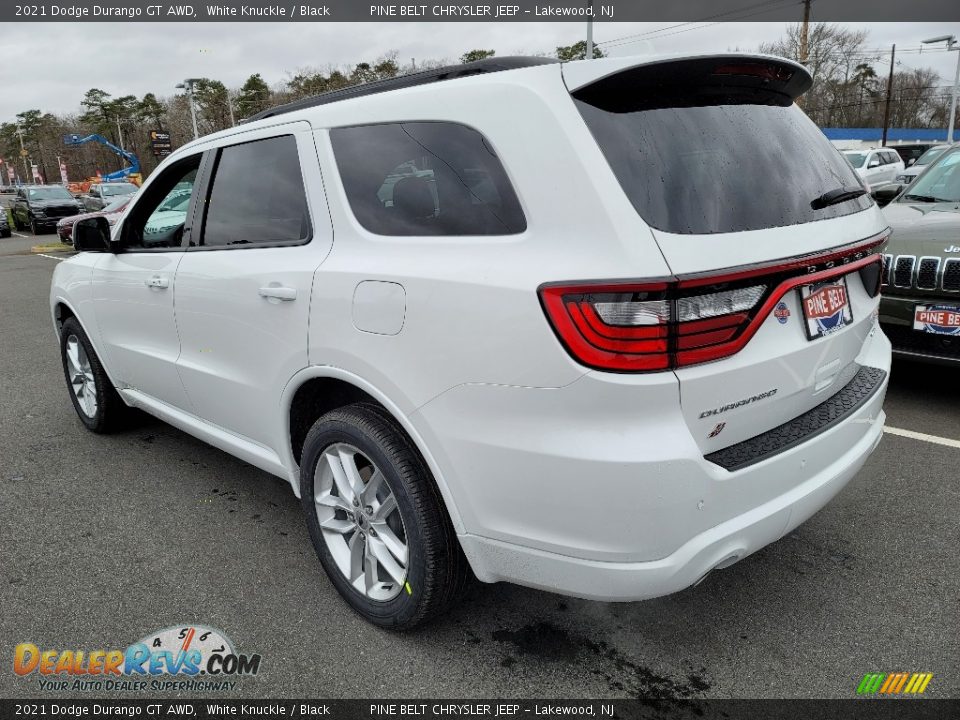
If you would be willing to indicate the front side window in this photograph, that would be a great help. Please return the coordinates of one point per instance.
(257, 196)
(425, 178)
(157, 221)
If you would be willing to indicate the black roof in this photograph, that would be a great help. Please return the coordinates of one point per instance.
(449, 72)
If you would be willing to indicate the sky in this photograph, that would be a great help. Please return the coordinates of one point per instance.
(51, 65)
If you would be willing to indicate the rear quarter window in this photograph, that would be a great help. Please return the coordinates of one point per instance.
(425, 178)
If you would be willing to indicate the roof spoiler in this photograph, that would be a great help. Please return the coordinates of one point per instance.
(763, 74)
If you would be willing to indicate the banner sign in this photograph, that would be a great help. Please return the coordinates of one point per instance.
(160, 143)
(505, 11)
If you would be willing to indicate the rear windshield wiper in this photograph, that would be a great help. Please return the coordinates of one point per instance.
(839, 195)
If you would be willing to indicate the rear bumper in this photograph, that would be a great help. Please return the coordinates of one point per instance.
(716, 548)
(598, 489)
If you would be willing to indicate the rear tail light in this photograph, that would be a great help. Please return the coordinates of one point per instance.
(645, 327)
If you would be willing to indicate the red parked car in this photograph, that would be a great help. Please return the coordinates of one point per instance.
(111, 212)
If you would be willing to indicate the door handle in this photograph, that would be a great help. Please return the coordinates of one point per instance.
(278, 292)
(157, 281)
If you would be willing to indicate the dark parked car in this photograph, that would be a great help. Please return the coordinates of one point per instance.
(102, 194)
(111, 212)
(912, 152)
(38, 207)
(4, 225)
(920, 310)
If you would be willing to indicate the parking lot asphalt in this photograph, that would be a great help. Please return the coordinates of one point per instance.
(104, 539)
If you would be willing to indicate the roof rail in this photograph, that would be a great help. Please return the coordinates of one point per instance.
(449, 72)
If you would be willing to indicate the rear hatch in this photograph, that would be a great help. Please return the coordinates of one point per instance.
(773, 250)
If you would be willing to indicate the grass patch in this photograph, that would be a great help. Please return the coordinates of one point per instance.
(52, 247)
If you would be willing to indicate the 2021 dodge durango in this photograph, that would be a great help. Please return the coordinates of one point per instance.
(562, 325)
(920, 309)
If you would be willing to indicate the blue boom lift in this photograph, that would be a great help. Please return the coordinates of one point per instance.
(128, 156)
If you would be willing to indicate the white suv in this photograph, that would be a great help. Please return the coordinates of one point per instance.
(877, 166)
(568, 326)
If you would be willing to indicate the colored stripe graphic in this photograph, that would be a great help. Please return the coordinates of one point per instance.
(870, 683)
(894, 683)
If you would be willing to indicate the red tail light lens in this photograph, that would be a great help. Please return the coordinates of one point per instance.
(644, 327)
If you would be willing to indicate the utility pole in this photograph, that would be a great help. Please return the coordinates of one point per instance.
(886, 109)
(233, 123)
(804, 40)
(805, 33)
(120, 133)
(589, 29)
(23, 152)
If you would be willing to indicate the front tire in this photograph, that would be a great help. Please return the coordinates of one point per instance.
(377, 520)
(96, 401)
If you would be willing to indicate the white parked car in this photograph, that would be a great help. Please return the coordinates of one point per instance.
(876, 166)
(910, 174)
(568, 346)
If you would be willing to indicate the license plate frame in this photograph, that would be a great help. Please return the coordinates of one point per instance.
(826, 307)
(945, 315)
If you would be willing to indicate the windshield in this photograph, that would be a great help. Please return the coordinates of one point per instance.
(117, 205)
(940, 182)
(930, 155)
(49, 193)
(697, 162)
(119, 189)
(856, 159)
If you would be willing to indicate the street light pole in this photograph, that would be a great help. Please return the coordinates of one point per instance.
(590, 31)
(188, 86)
(952, 45)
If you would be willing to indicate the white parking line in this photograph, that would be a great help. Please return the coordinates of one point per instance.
(935, 439)
(20, 234)
(52, 257)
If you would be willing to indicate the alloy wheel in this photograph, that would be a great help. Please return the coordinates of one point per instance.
(82, 382)
(360, 522)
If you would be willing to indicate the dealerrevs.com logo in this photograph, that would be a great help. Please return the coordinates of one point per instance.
(185, 658)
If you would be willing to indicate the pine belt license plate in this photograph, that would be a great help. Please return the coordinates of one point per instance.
(826, 307)
(937, 319)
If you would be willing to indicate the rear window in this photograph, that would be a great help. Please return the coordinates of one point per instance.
(425, 178)
(700, 155)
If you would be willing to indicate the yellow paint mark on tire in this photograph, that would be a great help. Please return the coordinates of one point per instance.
(409, 589)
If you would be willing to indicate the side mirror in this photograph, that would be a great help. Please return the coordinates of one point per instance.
(911, 161)
(885, 194)
(92, 235)
(874, 163)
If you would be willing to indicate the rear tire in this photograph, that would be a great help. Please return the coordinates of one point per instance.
(96, 401)
(399, 590)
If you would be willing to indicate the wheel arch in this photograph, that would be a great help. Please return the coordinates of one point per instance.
(62, 310)
(316, 390)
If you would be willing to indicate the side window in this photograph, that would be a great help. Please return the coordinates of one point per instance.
(425, 178)
(157, 220)
(257, 195)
